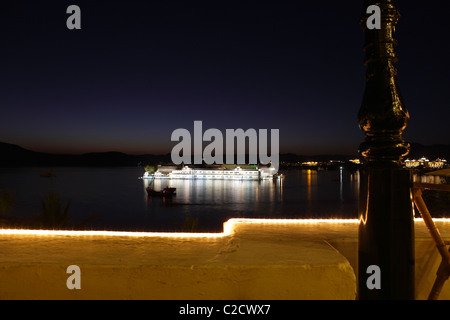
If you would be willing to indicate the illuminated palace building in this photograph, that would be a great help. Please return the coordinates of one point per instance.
(237, 173)
(425, 163)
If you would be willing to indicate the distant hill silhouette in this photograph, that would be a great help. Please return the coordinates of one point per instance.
(14, 155)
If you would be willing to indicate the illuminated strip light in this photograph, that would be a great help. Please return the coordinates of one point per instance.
(228, 228)
(107, 233)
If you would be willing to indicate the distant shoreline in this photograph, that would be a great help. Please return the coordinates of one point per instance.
(16, 156)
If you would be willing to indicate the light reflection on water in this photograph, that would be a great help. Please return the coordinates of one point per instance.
(122, 202)
(219, 191)
(303, 194)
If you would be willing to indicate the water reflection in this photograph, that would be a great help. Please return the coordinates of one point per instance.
(219, 192)
(302, 194)
(311, 181)
(354, 182)
(281, 189)
(122, 201)
(238, 198)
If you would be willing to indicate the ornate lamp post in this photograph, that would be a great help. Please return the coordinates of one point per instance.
(386, 230)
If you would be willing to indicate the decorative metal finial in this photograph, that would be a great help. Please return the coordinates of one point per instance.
(383, 115)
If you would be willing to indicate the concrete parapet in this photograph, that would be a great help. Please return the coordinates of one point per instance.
(252, 259)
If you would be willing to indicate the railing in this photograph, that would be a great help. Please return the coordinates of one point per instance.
(443, 271)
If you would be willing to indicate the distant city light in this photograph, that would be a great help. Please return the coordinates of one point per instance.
(310, 163)
(425, 163)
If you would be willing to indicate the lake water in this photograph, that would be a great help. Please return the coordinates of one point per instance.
(119, 198)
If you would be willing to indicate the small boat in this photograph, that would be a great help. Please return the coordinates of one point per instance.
(47, 175)
(166, 192)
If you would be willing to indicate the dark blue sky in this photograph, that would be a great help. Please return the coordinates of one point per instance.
(136, 71)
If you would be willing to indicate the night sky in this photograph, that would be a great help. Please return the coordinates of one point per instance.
(136, 71)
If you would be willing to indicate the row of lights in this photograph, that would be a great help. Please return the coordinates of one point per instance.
(424, 162)
(228, 228)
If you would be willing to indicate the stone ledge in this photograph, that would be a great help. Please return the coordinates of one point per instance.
(252, 259)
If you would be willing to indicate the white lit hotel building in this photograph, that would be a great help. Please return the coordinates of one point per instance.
(425, 163)
(215, 174)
